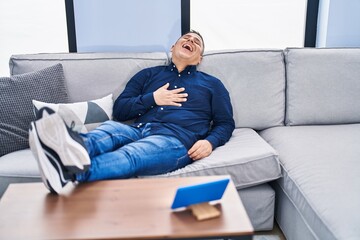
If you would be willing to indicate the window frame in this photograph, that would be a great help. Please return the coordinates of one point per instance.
(310, 29)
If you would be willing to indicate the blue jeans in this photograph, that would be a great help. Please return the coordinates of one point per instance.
(121, 151)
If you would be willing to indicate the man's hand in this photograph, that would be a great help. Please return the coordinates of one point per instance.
(165, 97)
(200, 149)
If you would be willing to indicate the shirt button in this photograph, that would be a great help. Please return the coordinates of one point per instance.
(175, 86)
(161, 109)
(189, 73)
(152, 106)
(179, 75)
(139, 114)
(172, 69)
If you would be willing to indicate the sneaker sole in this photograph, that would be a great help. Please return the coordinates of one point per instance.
(49, 175)
(53, 133)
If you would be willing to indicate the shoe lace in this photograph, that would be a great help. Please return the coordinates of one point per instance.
(72, 125)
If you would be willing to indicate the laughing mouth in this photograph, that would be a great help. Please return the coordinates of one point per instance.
(188, 47)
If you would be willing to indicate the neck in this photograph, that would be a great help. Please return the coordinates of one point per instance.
(179, 65)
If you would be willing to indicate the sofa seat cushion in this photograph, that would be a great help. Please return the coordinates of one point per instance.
(321, 176)
(246, 157)
(18, 167)
(19, 164)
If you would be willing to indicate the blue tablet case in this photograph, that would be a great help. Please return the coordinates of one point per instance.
(199, 193)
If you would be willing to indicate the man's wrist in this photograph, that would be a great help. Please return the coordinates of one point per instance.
(212, 143)
(148, 100)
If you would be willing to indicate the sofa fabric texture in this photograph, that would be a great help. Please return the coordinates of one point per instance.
(256, 83)
(16, 95)
(18, 167)
(256, 163)
(321, 169)
(322, 86)
(259, 202)
(105, 72)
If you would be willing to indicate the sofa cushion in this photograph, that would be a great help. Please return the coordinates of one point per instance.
(16, 95)
(81, 116)
(256, 83)
(105, 73)
(246, 157)
(323, 86)
(18, 167)
(19, 164)
(321, 176)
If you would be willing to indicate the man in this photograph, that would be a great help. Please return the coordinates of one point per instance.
(181, 115)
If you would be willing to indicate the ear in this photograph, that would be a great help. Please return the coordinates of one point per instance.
(201, 57)
(172, 47)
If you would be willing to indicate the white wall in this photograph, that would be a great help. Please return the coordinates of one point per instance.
(31, 26)
(339, 23)
(233, 24)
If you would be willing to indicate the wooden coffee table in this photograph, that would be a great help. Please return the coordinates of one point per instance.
(118, 209)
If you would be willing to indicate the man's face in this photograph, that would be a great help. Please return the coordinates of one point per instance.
(188, 48)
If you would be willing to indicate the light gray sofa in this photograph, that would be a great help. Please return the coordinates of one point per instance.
(250, 161)
(296, 107)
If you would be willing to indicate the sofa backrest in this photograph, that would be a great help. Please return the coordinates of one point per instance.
(255, 80)
(90, 75)
(323, 86)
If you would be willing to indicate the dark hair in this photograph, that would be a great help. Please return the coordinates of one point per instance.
(202, 39)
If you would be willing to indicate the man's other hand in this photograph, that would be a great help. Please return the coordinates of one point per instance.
(200, 149)
(165, 97)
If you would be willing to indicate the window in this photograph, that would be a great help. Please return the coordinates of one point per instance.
(339, 24)
(236, 24)
(123, 25)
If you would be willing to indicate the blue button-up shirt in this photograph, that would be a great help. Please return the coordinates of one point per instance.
(207, 113)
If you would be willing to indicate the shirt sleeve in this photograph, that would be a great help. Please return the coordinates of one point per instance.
(132, 102)
(222, 117)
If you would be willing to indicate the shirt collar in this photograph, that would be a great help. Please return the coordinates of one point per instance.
(188, 70)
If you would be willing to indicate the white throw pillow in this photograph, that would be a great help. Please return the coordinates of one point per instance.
(81, 116)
